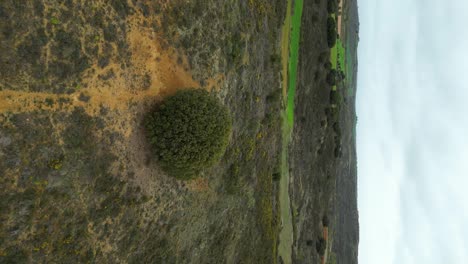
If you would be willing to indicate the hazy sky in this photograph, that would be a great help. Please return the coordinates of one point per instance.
(413, 131)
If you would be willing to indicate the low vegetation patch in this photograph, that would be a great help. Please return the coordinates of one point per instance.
(321, 246)
(325, 221)
(331, 32)
(332, 6)
(189, 132)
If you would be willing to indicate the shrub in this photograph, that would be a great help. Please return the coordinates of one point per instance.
(276, 176)
(232, 179)
(331, 77)
(338, 152)
(332, 6)
(337, 128)
(336, 98)
(55, 164)
(331, 32)
(275, 96)
(333, 114)
(189, 132)
(340, 76)
(325, 221)
(321, 246)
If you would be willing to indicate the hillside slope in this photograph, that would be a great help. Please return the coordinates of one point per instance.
(323, 152)
(78, 183)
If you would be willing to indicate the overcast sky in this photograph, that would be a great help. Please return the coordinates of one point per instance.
(413, 131)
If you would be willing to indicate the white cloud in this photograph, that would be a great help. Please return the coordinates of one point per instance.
(412, 143)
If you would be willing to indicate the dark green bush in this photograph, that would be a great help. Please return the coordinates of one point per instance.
(189, 132)
(331, 77)
(233, 181)
(276, 176)
(331, 32)
(338, 152)
(336, 98)
(332, 6)
(325, 221)
(321, 246)
(340, 76)
(275, 96)
(337, 129)
(333, 114)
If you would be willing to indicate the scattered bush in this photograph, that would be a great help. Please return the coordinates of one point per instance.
(189, 132)
(332, 6)
(338, 152)
(333, 114)
(340, 76)
(275, 58)
(271, 120)
(55, 164)
(232, 179)
(276, 176)
(321, 246)
(331, 77)
(336, 98)
(325, 221)
(275, 96)
(337, 128)
(331, 32)
(323, 123)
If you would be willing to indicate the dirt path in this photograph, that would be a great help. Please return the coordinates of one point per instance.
(166, 69)
(165, 74)
(340, 17)
(325, 236)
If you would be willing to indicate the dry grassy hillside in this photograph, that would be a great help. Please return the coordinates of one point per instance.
(78, 183)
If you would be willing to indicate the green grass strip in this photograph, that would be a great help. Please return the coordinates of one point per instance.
(293, 59)
(337, 58)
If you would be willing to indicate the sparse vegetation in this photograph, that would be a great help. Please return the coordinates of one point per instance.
(189, 132)
(54, 21)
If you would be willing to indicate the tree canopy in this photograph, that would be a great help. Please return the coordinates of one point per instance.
(332, 6)
(189, 132)
(331, 32)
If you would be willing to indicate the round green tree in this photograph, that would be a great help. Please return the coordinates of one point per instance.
(189, 132)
